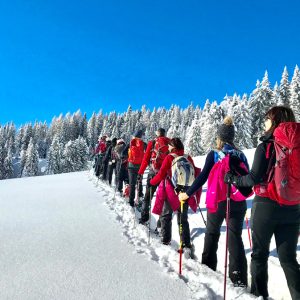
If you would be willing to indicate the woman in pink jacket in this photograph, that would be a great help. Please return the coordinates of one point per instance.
(176, 148)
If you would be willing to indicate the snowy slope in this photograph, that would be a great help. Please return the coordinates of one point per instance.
(69, 236)
(59, 241)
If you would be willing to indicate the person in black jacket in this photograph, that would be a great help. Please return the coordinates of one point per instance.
(107, 160)
(268, 217)
(121, 165)
(237, 258)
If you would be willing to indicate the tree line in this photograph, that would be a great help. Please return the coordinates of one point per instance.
(67, 143)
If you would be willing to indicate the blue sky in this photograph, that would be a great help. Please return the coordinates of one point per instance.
(60, 56)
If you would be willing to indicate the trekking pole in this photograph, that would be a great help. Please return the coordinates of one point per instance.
(226, 245)
(136, 198)
(249, 234)
(150, 206)
(180, 233)
(202, 215)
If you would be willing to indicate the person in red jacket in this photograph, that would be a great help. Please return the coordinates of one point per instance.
(156, 152)
(176, 148)
(135, 150)
(99, 154)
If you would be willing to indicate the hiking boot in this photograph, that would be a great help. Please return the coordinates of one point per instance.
(164, 242)
(142, 221)
(144, 218)
(189, 252)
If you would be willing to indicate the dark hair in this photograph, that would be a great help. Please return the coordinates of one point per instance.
(279, 114)
(176, 143)
(161, 131)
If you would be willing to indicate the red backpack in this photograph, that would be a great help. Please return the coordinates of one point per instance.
(136, 151)
(284, 177)
(159, 151)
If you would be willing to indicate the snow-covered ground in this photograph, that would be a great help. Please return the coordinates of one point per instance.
(68, 236)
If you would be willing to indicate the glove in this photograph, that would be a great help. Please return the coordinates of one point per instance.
(139, 177)
(230, 178)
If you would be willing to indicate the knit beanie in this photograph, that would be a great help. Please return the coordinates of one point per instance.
(226, 130)
(138, 133)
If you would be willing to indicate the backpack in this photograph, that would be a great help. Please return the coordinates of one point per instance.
(136, 151)
(225, 161)
(182, 170)
(284, 177)
(160, 150)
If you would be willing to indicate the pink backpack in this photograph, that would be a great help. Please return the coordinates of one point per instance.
(216, 187)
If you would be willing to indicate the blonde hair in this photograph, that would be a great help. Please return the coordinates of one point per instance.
(228, 121)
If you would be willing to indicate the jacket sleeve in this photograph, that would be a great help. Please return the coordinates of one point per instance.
(258, 170)
(107, 154)
(146, 158)
(202, 177)
(124, 153)
(163, 171)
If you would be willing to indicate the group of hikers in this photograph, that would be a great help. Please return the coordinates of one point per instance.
(274, 178)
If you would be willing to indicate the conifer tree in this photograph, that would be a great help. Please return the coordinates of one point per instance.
(295, 93)
(8, 166)
(193, 144)
(32, 160)
(55, 156)
(242, 122)
(258, 107)
(275, 99)
(284, 89)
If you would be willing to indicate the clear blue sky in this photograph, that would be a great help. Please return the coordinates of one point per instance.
(60, 56)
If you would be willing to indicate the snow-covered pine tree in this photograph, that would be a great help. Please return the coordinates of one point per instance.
(209, 126)
(193, 143)
(276, 95)
(22, 161)
(92, 131)
(295, 93)
(82, 154)
(258, 106)
(83, 127)
(32, 160)
(75, 155)
(28, 134)
(8, 166)
(284, 89)
(150, 131)
(3, 152)
(55, 156)
(174, 130)
(266, 92)
(163, 120)
(242, 124)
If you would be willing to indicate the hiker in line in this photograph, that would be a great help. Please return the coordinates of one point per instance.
(176, 149)
(135, 151)
(268, 216)
(121, 166)
(103, 176)
(99, 154)
(217, 211)
(110, 160)
(156, 152)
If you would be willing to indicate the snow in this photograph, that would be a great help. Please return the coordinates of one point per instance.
(60, 241)
(69, 236)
